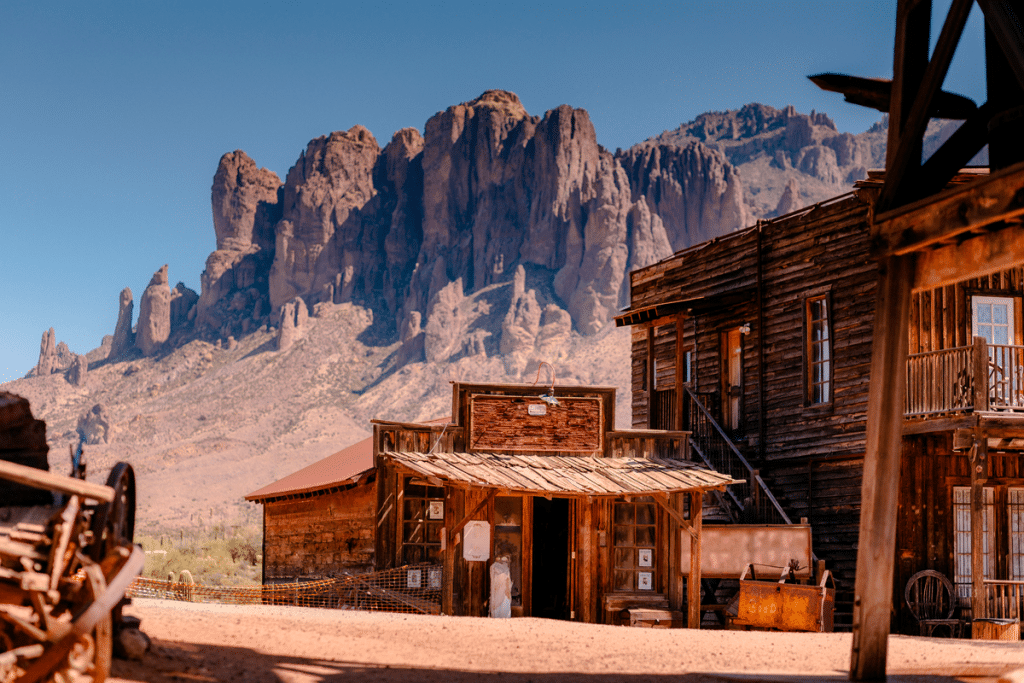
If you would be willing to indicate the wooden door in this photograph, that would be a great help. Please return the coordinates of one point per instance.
(732, 379)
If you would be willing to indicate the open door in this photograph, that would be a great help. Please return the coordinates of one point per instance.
(550, 571)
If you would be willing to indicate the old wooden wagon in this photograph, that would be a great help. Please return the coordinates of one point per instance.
(66, 558)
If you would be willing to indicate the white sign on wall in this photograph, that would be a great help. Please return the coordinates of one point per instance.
(476, 541)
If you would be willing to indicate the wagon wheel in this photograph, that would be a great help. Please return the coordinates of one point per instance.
(113, 523)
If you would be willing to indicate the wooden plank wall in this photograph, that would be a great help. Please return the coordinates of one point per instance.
(825, 252)
(321, 536)
(941, 318)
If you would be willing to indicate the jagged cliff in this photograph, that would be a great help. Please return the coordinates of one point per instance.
(487, 195)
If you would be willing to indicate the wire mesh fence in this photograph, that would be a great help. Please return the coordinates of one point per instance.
(411, 589)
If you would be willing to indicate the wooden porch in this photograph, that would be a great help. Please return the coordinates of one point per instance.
(965, 387)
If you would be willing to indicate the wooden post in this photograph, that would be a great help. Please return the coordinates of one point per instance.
(979, 474)
(880, 489)
(980, 359)
(693, 581)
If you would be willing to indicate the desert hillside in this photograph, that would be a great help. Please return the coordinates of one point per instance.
(204, 424)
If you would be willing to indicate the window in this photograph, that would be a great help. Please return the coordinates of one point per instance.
(422, 519)
(1015, 505)
(819, 352)
(635, 535)
(962, 538)
(993, 319)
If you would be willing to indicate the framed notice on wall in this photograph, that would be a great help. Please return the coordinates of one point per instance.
(645, 581)
(645, 557)
(435, 509)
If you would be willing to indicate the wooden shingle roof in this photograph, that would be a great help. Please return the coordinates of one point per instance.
(543, 474)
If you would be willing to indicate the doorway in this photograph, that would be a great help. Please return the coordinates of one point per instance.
(550, 572)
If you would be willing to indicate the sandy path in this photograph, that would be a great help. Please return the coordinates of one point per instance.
(207, 643)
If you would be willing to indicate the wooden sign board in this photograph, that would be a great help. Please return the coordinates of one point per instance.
(526, 424)
(726, 551)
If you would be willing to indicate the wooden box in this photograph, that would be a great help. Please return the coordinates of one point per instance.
(995, 629)
(655, 618)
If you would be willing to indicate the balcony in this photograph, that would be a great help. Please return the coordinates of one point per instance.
(981, 377)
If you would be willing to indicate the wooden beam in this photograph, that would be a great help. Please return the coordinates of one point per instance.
(979, 474)
(468, 518)
(880, 489)
(910, 59)
(969, 207)
(1006, 28)
(956, 152)
(974, 257)
(663, 500)
(693, 580)
(907, 156)
(47, 481)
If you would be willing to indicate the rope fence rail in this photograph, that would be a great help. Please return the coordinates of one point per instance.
(410, 589)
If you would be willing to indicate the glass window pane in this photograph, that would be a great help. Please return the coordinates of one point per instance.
(623, 513)
(624, 558)
(986, 332)
(645, 513)
(999, 335)
(999, 314)
(623, 581)
(645, 536)
(984, 313)
(623, 535)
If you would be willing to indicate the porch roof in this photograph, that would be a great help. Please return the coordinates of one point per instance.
(699, 304)
(574, 475)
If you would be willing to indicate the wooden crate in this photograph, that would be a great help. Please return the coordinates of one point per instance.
(655, 618)
(995, 629)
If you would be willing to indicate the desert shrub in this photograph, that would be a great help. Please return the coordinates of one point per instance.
(222, 555)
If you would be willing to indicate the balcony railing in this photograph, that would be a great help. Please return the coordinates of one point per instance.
(649, 443)
(944, 382)
(1004, 599)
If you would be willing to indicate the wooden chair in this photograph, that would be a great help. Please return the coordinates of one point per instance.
(931, 600)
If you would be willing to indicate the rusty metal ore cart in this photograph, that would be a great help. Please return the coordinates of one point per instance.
(64, 569)
(785, 606)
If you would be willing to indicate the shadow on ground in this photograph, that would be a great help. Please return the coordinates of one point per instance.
(174, 662)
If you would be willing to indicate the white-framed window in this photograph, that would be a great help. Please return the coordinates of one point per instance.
(992, 318)
(962, 538)
(819, 351)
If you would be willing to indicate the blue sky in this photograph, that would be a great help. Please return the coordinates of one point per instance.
(113, 115)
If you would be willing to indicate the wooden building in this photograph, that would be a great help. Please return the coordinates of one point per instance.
(589, 520)
(318, 522)
(760, 344)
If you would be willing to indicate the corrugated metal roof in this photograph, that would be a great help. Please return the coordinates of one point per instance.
(334, 470)
(556, 474)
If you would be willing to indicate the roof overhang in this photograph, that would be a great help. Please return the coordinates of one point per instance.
(561, 475)
(700, 304)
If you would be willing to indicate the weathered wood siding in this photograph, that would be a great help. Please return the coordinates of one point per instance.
(810, 455)
(941, 318)
(320, 536)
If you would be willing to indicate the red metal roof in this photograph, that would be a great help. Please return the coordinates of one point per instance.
(343, 467)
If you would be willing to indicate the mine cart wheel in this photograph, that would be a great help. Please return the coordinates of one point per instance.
(114, 523)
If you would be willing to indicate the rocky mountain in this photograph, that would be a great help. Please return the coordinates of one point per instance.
(786, 160)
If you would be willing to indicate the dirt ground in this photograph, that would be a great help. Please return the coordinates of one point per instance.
(208, 643)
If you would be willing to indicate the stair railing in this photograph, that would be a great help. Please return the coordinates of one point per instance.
(709, 441)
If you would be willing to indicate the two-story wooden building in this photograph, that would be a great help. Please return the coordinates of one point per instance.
(759, 342)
